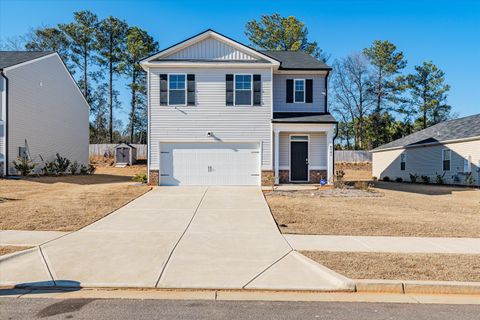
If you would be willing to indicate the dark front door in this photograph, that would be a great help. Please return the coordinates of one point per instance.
(299, 160)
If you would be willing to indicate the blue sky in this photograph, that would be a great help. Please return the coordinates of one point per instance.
(446, 32)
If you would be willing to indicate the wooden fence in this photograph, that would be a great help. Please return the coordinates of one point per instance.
(352, 156)
(340, 155)
(106, 149)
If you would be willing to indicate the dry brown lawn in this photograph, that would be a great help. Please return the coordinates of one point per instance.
(355, 171)
(9, 249)
(403, 210)
(401, 266)
(66, 203)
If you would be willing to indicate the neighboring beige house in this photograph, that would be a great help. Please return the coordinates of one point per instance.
(222, 113)
(42, 111)
(450, 149)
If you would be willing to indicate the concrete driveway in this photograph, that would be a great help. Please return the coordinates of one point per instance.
(176, 237)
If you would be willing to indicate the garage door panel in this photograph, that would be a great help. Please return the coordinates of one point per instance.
(210, 164)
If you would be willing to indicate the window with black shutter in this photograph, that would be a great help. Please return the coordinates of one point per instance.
(190, 89)
(289, 90)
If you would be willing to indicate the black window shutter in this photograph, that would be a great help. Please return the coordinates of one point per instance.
(163, 89)
(229, 89)
(257, 90)
(309, 91)
(190, 89)
(289, 90)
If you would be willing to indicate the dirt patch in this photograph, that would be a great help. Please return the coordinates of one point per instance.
(403, 210)
(355, 171)
(66, 203)
(10, 249)
(401, 266)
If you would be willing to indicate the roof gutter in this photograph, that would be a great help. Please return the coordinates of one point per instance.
(5, 163)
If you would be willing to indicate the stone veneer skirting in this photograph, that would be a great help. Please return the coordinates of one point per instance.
(268, 178)
(315, 176)
(153, 178)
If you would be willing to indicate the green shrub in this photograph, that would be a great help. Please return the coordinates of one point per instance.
(374, 178)
(386, 178)
(140, 177)
(425, 179)
(413, 177)
(469, 179)
(439, 178)
(61, 164)
(74, 168)
(24, 165)
(83, 169)
(398, 179)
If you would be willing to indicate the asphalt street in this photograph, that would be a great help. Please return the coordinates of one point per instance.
(119, 309)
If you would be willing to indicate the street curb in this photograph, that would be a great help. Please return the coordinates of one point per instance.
(417, 287)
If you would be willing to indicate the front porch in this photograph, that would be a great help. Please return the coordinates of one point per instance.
(303, 153)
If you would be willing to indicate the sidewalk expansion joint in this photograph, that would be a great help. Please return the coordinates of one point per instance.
(266, 269)
(180, 238)
(46, 265)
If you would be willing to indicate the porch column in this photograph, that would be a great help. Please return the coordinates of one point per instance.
(330, 156)
(276, 161)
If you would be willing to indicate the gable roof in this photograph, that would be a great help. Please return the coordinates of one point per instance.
(209, 33)
(462, 128)
(296, 60)
(11, 58)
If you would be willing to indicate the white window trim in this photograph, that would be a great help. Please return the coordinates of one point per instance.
(168, 90)
(290, 155)
(235, 89)
(467, 158)
(294, 90)
(404, 155)
(449, 159)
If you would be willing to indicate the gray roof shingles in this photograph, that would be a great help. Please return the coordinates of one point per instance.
(462, 128)
(296, 60)
(303, 117)
(11, 58)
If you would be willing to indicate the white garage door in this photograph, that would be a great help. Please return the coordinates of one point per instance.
(209, 164)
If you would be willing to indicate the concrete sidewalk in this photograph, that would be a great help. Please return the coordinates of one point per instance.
(176, 237)
(384, 244)
(27, 238)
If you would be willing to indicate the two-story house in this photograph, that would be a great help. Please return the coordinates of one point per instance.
(222, 113)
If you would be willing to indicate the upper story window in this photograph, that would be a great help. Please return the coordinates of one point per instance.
(467, 164)
(177, 89)
(243, 89)
(299, 91)
(403, 161)
(446, 159)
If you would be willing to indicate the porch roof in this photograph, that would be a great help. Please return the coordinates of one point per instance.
(302, 117)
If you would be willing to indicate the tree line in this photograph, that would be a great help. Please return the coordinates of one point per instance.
(99, 53)
(373, 99)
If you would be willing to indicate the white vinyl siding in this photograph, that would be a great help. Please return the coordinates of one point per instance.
(210, 49)
(46, 110)
(429, 161)
(280, 94)
(317, 150)
(227, 124)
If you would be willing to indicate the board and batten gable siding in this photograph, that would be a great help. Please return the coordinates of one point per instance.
(210, 113)
(317, 150)
(280, 94)
(427, 161)
(48, 111)
(210, 49)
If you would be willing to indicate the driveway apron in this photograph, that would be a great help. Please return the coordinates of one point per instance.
(176, 237)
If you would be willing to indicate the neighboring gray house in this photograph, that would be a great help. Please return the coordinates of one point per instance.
(450, 149)
(42, 111)
(222, 113)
